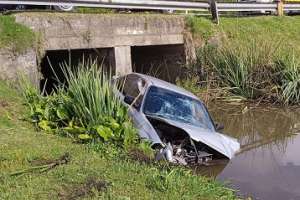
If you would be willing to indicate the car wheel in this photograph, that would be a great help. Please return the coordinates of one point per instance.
(20, 7)
(169, 11)
(64, 8)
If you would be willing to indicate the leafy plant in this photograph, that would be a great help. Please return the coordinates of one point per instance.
(84, 107)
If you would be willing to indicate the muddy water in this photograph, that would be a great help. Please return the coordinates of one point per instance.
(268, 166)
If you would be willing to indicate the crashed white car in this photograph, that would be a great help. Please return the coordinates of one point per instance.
(174, 120)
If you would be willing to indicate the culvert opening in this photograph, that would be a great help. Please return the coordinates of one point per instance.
(52, 62)
(162, 61)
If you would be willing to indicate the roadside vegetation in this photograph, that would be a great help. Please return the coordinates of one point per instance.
(13, 36)
(253, 58)
(79, 148)
(83, 107)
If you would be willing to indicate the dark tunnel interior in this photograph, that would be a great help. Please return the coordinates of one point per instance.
(54, 61)
(161, 61)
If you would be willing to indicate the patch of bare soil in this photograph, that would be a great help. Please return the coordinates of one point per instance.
(3, 103)
(138, 155)
(85, 189)
(4, 106)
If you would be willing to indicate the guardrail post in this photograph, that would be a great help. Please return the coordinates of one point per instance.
(214, 11)
(280, 8)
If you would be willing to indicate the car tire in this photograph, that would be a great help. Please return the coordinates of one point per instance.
(64, 8)
(20, 7)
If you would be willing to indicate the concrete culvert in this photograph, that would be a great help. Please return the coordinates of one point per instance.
(161, 61)
(52, 62)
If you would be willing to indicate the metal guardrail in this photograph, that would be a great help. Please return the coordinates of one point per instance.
(240, 7)
(130, 4)
(214, 7)
(291, 7)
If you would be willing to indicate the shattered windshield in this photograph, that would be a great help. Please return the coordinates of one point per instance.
(174, 106)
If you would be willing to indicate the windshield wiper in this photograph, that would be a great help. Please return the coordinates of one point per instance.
(171, 117)
(153, 115)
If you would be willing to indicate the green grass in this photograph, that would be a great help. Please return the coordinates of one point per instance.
(20, 143)
(201, 27)
(245, 29)
(14, 36)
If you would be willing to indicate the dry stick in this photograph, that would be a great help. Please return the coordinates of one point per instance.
(31, 169)
(64, 159)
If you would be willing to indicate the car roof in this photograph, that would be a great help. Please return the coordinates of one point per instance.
(166, 85)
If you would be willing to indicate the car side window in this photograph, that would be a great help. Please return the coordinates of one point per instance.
(129, 87)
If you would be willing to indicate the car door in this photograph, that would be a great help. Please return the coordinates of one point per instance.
(129, 86)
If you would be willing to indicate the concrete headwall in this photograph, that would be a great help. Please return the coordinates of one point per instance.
(118, 32)
(80, 31)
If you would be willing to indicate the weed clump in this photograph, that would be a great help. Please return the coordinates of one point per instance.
(288, 73)
(3, 103)
(85, 189)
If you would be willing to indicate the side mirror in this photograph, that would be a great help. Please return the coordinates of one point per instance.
(128, 99)
(219, 127)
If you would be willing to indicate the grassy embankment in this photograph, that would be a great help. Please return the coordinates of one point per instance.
(22, 147)
(31, 162)
(13, 36)
(254, 58)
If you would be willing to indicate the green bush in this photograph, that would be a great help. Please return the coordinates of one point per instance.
(84, 107)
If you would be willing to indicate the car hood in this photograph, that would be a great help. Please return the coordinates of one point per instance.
(224, 144)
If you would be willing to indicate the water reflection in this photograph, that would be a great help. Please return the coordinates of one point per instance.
(268, 166)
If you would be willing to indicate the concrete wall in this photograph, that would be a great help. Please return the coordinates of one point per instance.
(12, 65)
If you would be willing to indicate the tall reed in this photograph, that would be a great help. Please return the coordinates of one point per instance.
(258, 69)
(92, 94)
